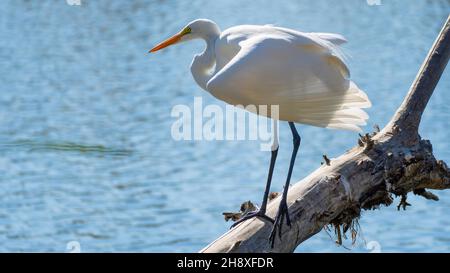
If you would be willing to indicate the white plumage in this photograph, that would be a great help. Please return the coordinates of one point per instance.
(305, 74)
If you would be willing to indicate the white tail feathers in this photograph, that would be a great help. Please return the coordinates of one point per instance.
(338, 111)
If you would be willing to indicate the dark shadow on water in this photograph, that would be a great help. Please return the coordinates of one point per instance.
(32, 146)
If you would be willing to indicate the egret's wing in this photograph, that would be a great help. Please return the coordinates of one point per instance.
(326, 41)
(305, 77)
(334, 38)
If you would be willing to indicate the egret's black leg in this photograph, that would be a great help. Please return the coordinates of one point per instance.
(261, 212)
(283, 209)
(273, 158)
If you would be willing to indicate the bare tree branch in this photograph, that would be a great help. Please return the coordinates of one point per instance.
(410, 112)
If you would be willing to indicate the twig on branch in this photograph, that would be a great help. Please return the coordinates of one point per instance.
(327, 160)
(394, 161)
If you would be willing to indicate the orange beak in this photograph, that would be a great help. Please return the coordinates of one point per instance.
(172, 40)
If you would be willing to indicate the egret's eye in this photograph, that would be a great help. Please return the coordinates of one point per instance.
(186, 30)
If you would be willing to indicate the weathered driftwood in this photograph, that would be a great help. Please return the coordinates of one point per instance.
(394, 161)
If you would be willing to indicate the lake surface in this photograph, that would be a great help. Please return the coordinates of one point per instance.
(86, 152)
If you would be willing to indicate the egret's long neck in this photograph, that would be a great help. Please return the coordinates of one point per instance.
(202, 67)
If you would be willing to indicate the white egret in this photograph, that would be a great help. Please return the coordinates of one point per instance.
(304, 74)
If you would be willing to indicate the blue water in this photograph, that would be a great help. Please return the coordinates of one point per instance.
(86, 152)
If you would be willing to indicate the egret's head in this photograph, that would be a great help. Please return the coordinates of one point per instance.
(200, 28)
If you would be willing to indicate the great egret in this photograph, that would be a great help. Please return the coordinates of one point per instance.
(303, 73)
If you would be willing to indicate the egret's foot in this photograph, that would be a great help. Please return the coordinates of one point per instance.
(257, 213)
(282, 213)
